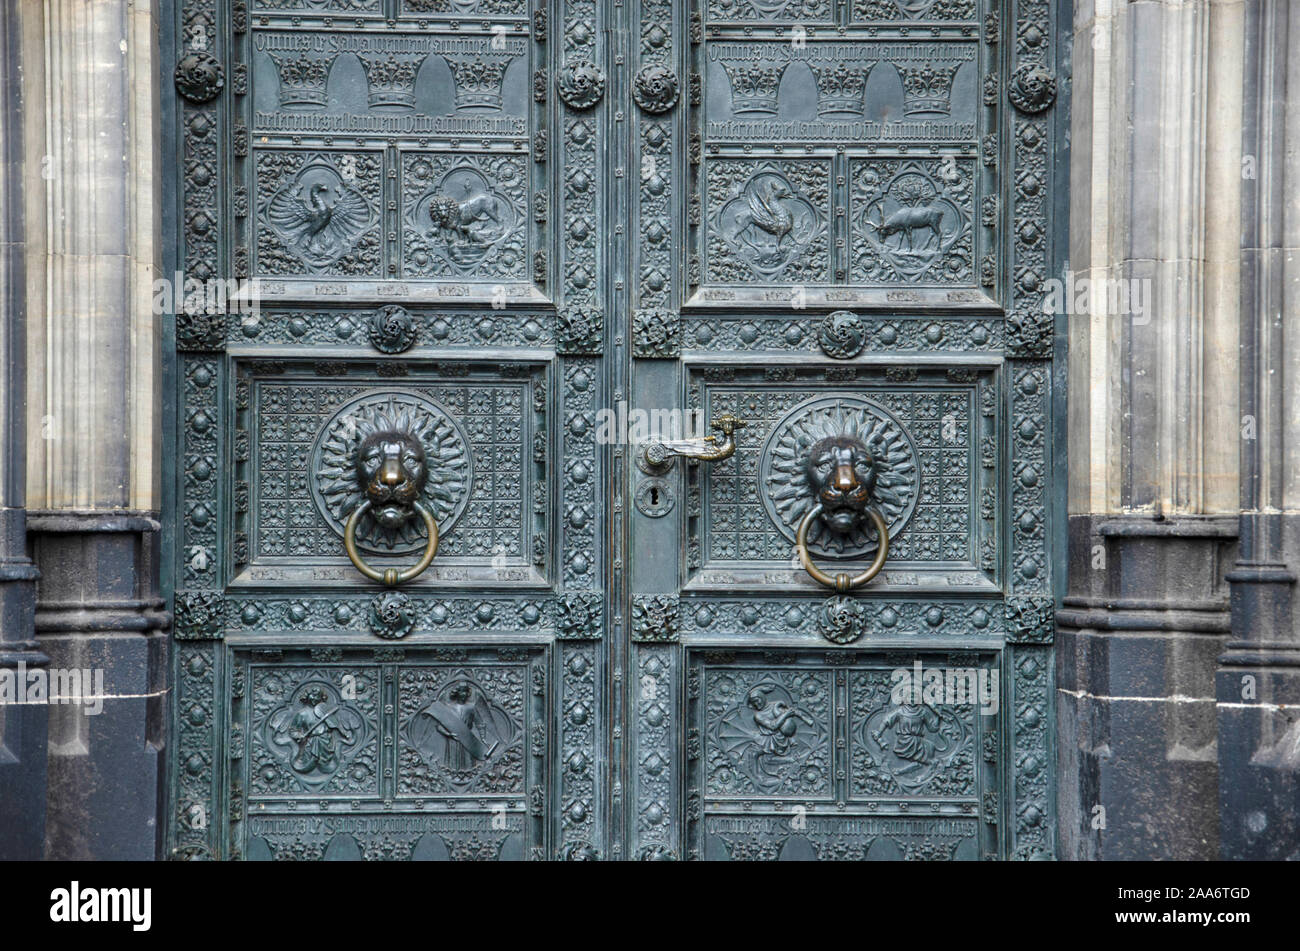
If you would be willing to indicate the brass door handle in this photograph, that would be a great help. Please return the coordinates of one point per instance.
(390, 576)
(841, 582)
(657, 455)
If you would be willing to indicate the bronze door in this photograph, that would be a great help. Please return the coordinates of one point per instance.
(587, 414)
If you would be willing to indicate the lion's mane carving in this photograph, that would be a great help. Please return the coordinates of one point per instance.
(789, 490)
(371, 423)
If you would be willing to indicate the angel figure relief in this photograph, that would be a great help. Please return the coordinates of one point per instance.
(316, 733)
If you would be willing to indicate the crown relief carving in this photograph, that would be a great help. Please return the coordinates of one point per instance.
(392, 78)
(927, 88)
(841, 86)
(479, 78)
(303, 79)
(754, 86)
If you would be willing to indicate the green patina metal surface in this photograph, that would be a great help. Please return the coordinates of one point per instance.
(494, 244)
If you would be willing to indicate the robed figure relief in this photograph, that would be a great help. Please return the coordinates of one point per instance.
(461, 728)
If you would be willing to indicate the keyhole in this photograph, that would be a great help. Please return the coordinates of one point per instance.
(653, 498)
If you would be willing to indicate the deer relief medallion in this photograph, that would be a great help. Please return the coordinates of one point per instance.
(911, 221)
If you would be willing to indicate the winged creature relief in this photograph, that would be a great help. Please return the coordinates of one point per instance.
(318, 216)
(767, 223)
(766, 210)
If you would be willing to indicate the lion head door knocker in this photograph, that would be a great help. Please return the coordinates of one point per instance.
(392, 471)
(839, 476)
(388, 466)
(842, 473)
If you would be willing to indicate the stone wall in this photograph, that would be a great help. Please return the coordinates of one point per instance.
(94, 440)
(1181, 555)
(1258, 680)
(22, 728)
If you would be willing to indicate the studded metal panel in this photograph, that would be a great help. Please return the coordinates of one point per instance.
(509, 225)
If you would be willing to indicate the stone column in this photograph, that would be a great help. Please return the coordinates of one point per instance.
(1153, 417)
(1258, 682)
(22, 726)
(93, 426)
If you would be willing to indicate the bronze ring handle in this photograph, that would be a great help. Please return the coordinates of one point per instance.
(841, 582)
(389, 576)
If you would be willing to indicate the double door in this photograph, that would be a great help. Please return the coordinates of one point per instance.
(610, 429)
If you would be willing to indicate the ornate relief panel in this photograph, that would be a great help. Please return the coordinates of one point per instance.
(860, 239)
(302, 424)
(835, 155)
(934, 434)
(377, 753)
(403, 365)
(803, 756)
(425, 609)
(401, 149)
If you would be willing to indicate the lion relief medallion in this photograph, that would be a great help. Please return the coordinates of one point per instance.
(846, 453)
(392, 448)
